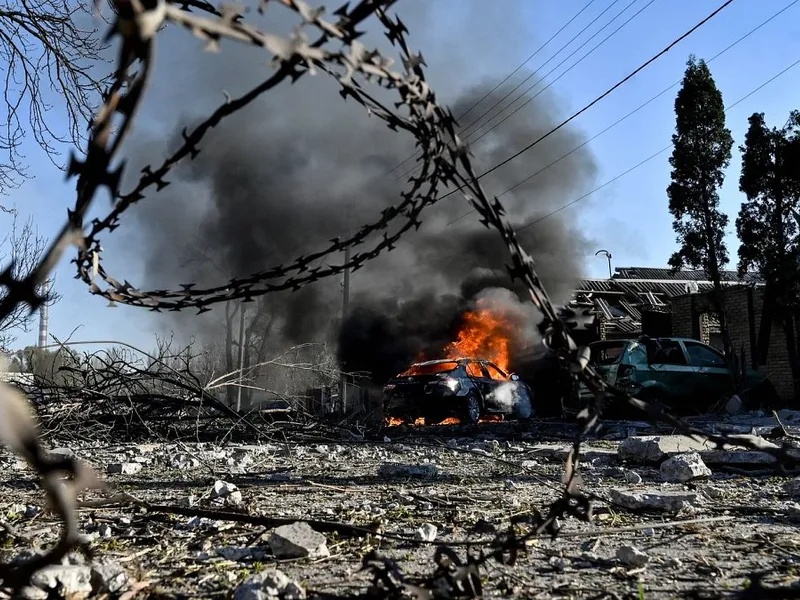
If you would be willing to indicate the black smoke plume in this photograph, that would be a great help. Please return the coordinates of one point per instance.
(301, 167)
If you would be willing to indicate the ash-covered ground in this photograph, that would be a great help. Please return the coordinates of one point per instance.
(151, 535)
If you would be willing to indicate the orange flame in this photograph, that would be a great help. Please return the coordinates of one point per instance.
(485, 334)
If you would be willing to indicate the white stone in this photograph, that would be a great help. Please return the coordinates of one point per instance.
(683, 468)
(403, 470)
(632, 477)
(652, 499)
(298, 540)
(427, 532)
(123, 468)
(76, 579)
(632, 556)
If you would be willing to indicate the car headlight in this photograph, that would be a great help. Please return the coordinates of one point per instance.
(452, 384)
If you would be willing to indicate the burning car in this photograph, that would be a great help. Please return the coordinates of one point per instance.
(468, 389)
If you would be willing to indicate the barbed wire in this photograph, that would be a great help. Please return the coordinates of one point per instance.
(446, 161)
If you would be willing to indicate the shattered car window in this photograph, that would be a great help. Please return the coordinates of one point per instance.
(474, 370)
(430, 368)
(637, 354)
(495, 373)
(607, 353)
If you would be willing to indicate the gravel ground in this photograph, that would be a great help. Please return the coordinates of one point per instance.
(740, 524)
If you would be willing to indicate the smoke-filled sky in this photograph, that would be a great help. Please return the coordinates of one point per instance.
(275, 180)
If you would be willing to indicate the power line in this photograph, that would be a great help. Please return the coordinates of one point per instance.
(634, 167)
(652, 156)
(610, 90)
(527, 60)
(528, 78)
(417, 154)
(540, 80)
(635, 110)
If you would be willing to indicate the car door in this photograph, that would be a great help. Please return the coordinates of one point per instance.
(479, 377)
(714, 377)
(670, 370)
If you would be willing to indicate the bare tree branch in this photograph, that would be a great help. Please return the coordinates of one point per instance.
(48, 49)
(23, 248)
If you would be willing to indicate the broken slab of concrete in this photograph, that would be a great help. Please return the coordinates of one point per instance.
(298, 540)
(684, 467)
(652, 499)
(655, 448)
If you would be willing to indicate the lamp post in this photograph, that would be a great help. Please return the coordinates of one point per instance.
(607, 254)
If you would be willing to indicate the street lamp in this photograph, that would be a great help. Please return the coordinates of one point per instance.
(607, 254)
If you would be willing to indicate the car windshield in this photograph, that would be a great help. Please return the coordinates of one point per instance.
(607, 353)
(430, 368)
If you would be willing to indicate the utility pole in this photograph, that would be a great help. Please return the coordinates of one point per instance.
(241, 357)
(345, 303)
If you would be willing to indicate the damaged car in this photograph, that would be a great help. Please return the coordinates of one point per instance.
(466, 388)
(683, 375)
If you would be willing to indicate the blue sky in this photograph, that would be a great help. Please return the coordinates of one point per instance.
(629, 217)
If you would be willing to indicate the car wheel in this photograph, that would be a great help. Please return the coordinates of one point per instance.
(472, 409)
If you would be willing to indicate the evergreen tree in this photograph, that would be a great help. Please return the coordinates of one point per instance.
(701, 154)
(766, 224)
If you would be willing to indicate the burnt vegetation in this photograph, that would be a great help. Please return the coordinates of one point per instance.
(112, 393)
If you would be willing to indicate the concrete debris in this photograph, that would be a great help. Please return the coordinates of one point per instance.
(226, 492)
(632, 556)
(683, 468)
(653, 449)
(123, 468)
(792, 487)
(298, 540)
(741, 458)
(271, 584)
(427, 532)
(108, 577)
(405, 471)
(559, 563)
(75, 579)
(32, 511)
(184, 462)
(104, 531)
(632, 477)
(652, 499)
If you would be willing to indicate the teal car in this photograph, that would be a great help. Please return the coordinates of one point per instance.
(686, 376)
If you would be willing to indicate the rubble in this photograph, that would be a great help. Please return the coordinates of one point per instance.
(632, 556)
(654, 449)
(270, 584)
(108, 577)
(406, 471)
(427, 532)
(652, 499)
(226, 493)
(684, 467)
(75, 579)
(123, 468)
(298, 540)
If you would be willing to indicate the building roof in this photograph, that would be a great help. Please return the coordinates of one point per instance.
(620, 300)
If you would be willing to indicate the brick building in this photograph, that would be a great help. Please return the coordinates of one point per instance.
(758, 345)
(657, 302)
(638, 300)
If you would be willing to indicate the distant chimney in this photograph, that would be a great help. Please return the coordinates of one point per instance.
(43, 316)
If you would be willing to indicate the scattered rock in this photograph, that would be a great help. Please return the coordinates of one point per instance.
(652, 499)
(403, 470)
(558, 563)
(427, 532)
(76, 580)
(298, 540)
(654, 449)
(683, 468)
(632, 477)
(228, 493)
(108, 577)
(269, 585)
(632, 556)
(127, 468)
(32, 511)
